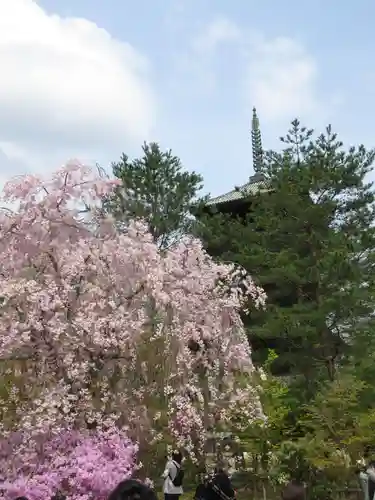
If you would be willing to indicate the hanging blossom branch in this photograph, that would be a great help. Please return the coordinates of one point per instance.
(98, 324)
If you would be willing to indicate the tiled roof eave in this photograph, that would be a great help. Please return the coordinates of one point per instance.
(248, 189)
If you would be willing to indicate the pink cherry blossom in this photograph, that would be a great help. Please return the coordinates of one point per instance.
(86, 464)
(99, 329)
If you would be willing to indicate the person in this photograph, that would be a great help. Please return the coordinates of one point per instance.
(173, 477)
(370, 471)
(294, 490)
(201, 489)
(219, 485)
(363, 482)
(131, 489)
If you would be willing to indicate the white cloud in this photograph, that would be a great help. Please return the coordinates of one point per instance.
(219, 31)
(280, 76)
(67, 85)
(195, 67)
(281, 79)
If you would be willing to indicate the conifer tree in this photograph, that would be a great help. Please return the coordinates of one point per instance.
(310, 241)
(157, 189)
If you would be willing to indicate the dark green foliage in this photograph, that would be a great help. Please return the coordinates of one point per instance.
(156, 189)
(310, 242)
(324, 441)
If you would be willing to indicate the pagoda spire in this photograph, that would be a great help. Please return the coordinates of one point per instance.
(256, 140)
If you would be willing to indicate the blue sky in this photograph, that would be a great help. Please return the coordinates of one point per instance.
(201, 66)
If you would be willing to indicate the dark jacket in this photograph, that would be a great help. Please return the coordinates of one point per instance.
(294, 490)
(201, 491)
(218, 487)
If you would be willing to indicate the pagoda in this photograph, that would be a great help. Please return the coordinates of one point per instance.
(236, 201)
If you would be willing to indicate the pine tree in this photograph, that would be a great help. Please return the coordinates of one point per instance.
(311, 242)
(156, 189)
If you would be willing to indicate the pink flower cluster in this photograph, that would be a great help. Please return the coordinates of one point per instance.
(83, 465)
(100, 328)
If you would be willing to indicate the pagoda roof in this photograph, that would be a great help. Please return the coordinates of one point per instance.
(256, 184)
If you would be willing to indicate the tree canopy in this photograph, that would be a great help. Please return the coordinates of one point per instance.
(309, 240)
(155, 188)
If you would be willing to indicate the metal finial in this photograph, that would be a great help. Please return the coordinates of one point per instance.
(255, 120)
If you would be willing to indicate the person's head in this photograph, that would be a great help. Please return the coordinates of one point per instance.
(222, 467)
(177, 456)
(131, 489)
(58, 496)
(201, 475)
(294, 491)
(372, 464)
(201, 478)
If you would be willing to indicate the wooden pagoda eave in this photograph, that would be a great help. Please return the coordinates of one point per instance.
(238, 196)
